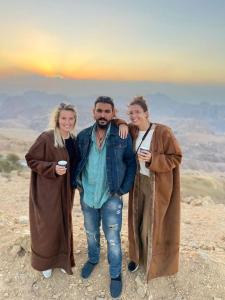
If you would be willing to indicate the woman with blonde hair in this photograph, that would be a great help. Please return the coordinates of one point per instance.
(154, 202)
(51, 158)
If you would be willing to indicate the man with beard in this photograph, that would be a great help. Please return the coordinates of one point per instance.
(105, 172)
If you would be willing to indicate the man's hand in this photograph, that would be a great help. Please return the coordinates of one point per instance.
(123, 131)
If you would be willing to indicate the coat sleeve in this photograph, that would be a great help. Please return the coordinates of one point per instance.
(76, 164)
(169, 157)
(36, 159)
(130, 161)
(119, 122)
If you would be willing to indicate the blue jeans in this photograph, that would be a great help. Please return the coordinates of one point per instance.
(111, 215)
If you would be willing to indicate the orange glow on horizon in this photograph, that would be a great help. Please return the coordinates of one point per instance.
(46, 69)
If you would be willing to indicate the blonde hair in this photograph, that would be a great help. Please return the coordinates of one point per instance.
(54, 123)
(139, 100)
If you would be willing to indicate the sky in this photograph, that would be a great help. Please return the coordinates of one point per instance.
(176, 41)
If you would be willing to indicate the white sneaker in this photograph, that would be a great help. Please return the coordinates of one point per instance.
(62, 270)
(47, 273)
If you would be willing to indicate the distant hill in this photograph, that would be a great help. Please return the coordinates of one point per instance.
(33, 108)
(200, 128)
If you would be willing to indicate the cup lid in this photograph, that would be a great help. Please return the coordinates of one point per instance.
(62, 162)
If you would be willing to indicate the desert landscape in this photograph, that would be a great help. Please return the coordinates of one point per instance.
(202, 254)
(202, 251)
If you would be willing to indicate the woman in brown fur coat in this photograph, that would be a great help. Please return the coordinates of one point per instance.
(154, 202)
(51, 195)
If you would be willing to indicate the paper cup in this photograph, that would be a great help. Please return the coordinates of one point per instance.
(62, 163)
(144, 149)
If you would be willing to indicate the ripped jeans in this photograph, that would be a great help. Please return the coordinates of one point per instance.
(111, 215)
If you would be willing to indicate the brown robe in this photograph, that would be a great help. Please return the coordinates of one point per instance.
(163, 218)
(50, 205)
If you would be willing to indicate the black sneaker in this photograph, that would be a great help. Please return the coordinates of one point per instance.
(116, 286)
(87, 269)
(132, 266)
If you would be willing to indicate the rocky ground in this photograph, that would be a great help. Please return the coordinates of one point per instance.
(202, 255)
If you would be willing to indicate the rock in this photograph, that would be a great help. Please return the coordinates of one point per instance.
(23, 220)
(102, 294)
(141, 292)
(34, 285)
(139, 281)
(188, 199)
(197, 202)
(207, 247)
(86, 284)
(77, 251)
(57, 296)
(194, 245)
(24, 242)
(8, 280)
(15, 250)
(223, 238)
(89, 288)
(204, 255)
(187, 222)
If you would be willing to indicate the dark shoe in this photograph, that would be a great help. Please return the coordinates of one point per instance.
(116, 286)
(132, 266)
(87, 269)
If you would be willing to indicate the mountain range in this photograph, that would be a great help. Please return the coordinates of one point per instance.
(32, 108)
(200, 128)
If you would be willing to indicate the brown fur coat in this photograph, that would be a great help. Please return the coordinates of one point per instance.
(50, 205)
(164, 236)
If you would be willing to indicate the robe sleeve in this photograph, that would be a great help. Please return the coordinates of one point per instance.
(170, 155)
(36, 159)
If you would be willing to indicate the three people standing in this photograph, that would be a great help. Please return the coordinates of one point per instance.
(104, 168)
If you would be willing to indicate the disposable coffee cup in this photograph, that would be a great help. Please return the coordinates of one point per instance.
(62, 163)
(144, 149)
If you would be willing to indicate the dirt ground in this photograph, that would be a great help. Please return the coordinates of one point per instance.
(202, 255)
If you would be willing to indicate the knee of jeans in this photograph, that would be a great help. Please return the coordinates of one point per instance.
(115, 204)
(112, 233)
(113, 243)
(92, 235)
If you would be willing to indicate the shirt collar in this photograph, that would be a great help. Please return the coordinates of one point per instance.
(93, 135)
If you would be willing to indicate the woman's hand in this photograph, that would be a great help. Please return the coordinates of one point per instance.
(145, 156)
(60, 170)
(123, 131)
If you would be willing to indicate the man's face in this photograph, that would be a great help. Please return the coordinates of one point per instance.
(103, 114)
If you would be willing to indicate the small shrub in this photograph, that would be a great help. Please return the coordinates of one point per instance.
(13, 158)
(9, 163)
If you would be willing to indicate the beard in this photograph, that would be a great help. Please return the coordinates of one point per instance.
(102, 125)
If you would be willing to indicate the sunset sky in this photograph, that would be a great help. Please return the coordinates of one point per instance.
(178, 41)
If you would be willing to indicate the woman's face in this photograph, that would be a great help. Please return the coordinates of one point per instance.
(137, 115)
(66, 121)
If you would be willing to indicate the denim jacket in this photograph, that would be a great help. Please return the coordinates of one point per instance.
(120, 160)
